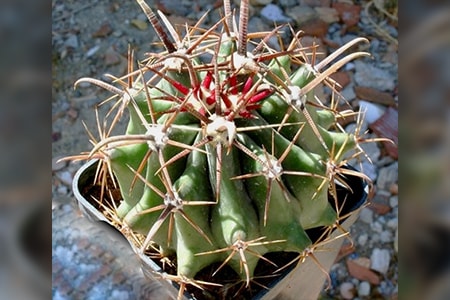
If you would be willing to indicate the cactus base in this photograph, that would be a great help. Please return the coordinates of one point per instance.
(294, 282)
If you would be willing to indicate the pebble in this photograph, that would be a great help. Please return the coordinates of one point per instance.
(369, 75)
(348, 13)
(62, 190)
(302, 14)
(368, 168)
(349, 66)
(366, 215)
(364, 289)
(362, 239)
(372, 111)
(273, 13)
(287, 3)
(314, 3)
(65, 177)
(348, 92)
(347, 290)
(257, 24)
(327, 14)
(72, 41)
(387, 127)
(380, 259)
(392, 223)
(260, 2)
(377, 227)
(352, 126)
(139, 24)
(92, 51)
(393, 201)
(375, 96)
(387, 176)
(386, 236)
(58, 165)
(362, 272)
(394, 189)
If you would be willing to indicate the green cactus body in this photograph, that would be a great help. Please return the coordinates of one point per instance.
(189, 241)
(211, 132)
(234, 219)
(283, 222)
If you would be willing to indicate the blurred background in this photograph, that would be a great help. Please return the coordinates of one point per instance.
(25, 129)
(425, 143)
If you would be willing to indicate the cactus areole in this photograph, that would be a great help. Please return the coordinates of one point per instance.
(229, 156)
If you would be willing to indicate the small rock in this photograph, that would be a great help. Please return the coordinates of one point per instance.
(260, 2)
(112, 57)
(327, 14)
(302, 14)
(349, 94)
(362, 261)
(366, 215)
(380, 203)
(393, 201)
(370, 76)
(352, 127)
(117, 33)
(287, 3)
(372, 95)
(387, 176)
(341, 77)
(315, 3)
(65, 177)
(72, 114)
(72, 41)
(315, 28)
(103, 31)
(386, 236)
(362, 239)
(393, 189)
(369, 169)
(139, 24)
(58, 165)
(349, 66)
(62, 190)
(387, 127)
(348, 13)
(56, 136)
(347, 290)
(92, 51)
(380, 259)
(257, 24)
(364, 289)
(273, 13)
(392, 223)
(308, 41)
(377, 227)
(372, 150)
(362, 273)
(372, 111)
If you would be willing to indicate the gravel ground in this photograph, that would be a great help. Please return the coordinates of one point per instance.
(91, 38)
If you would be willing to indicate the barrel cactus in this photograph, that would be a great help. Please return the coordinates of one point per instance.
(228, 154)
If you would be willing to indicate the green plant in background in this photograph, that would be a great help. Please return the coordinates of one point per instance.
(228, 154)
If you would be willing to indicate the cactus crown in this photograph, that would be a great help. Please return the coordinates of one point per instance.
(228, 154)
